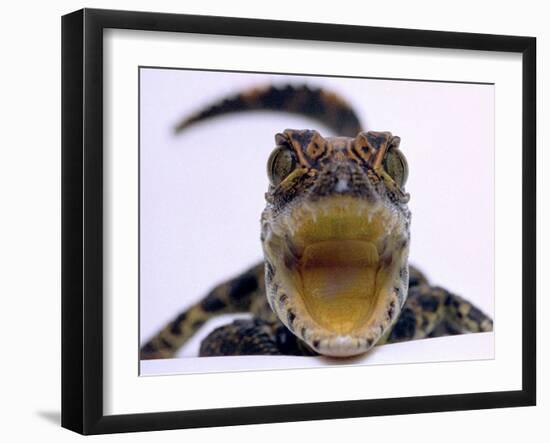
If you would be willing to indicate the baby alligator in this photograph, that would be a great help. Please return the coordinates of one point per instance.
(335, 233)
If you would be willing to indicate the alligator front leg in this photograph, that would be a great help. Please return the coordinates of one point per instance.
(233, 296)
(252, 337)
(434, 312)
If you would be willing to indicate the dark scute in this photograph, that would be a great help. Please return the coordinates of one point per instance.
(425, 322)
(428, 303)
(212, 303)
(286, 342)
(181, 318)
(148, 348)
(277, 98)
(405, 327)
(413, 281)
(312, 103)
(175, 329)
(347, 122)
(282, 337)
(243, 286)
(176, 325)
(476, 315)
(228, 347)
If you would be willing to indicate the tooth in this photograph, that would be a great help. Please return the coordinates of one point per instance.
(372, 257)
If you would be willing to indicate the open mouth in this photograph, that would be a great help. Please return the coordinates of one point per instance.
(339, 282)
(341, 260)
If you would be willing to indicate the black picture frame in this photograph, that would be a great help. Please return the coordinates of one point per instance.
(82, 218)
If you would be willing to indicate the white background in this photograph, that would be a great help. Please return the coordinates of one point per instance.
(30, 189)
(202, 191)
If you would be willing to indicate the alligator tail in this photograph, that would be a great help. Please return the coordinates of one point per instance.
(319, 104)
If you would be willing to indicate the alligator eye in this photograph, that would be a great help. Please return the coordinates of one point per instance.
(395, 164)
(280, 164)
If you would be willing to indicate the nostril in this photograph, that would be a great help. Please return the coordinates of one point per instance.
(341, 185)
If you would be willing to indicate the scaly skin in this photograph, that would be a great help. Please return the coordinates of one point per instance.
(335, 233)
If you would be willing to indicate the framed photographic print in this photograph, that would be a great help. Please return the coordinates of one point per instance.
(295, 218)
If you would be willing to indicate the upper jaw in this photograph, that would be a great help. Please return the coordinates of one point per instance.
(339, 262)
